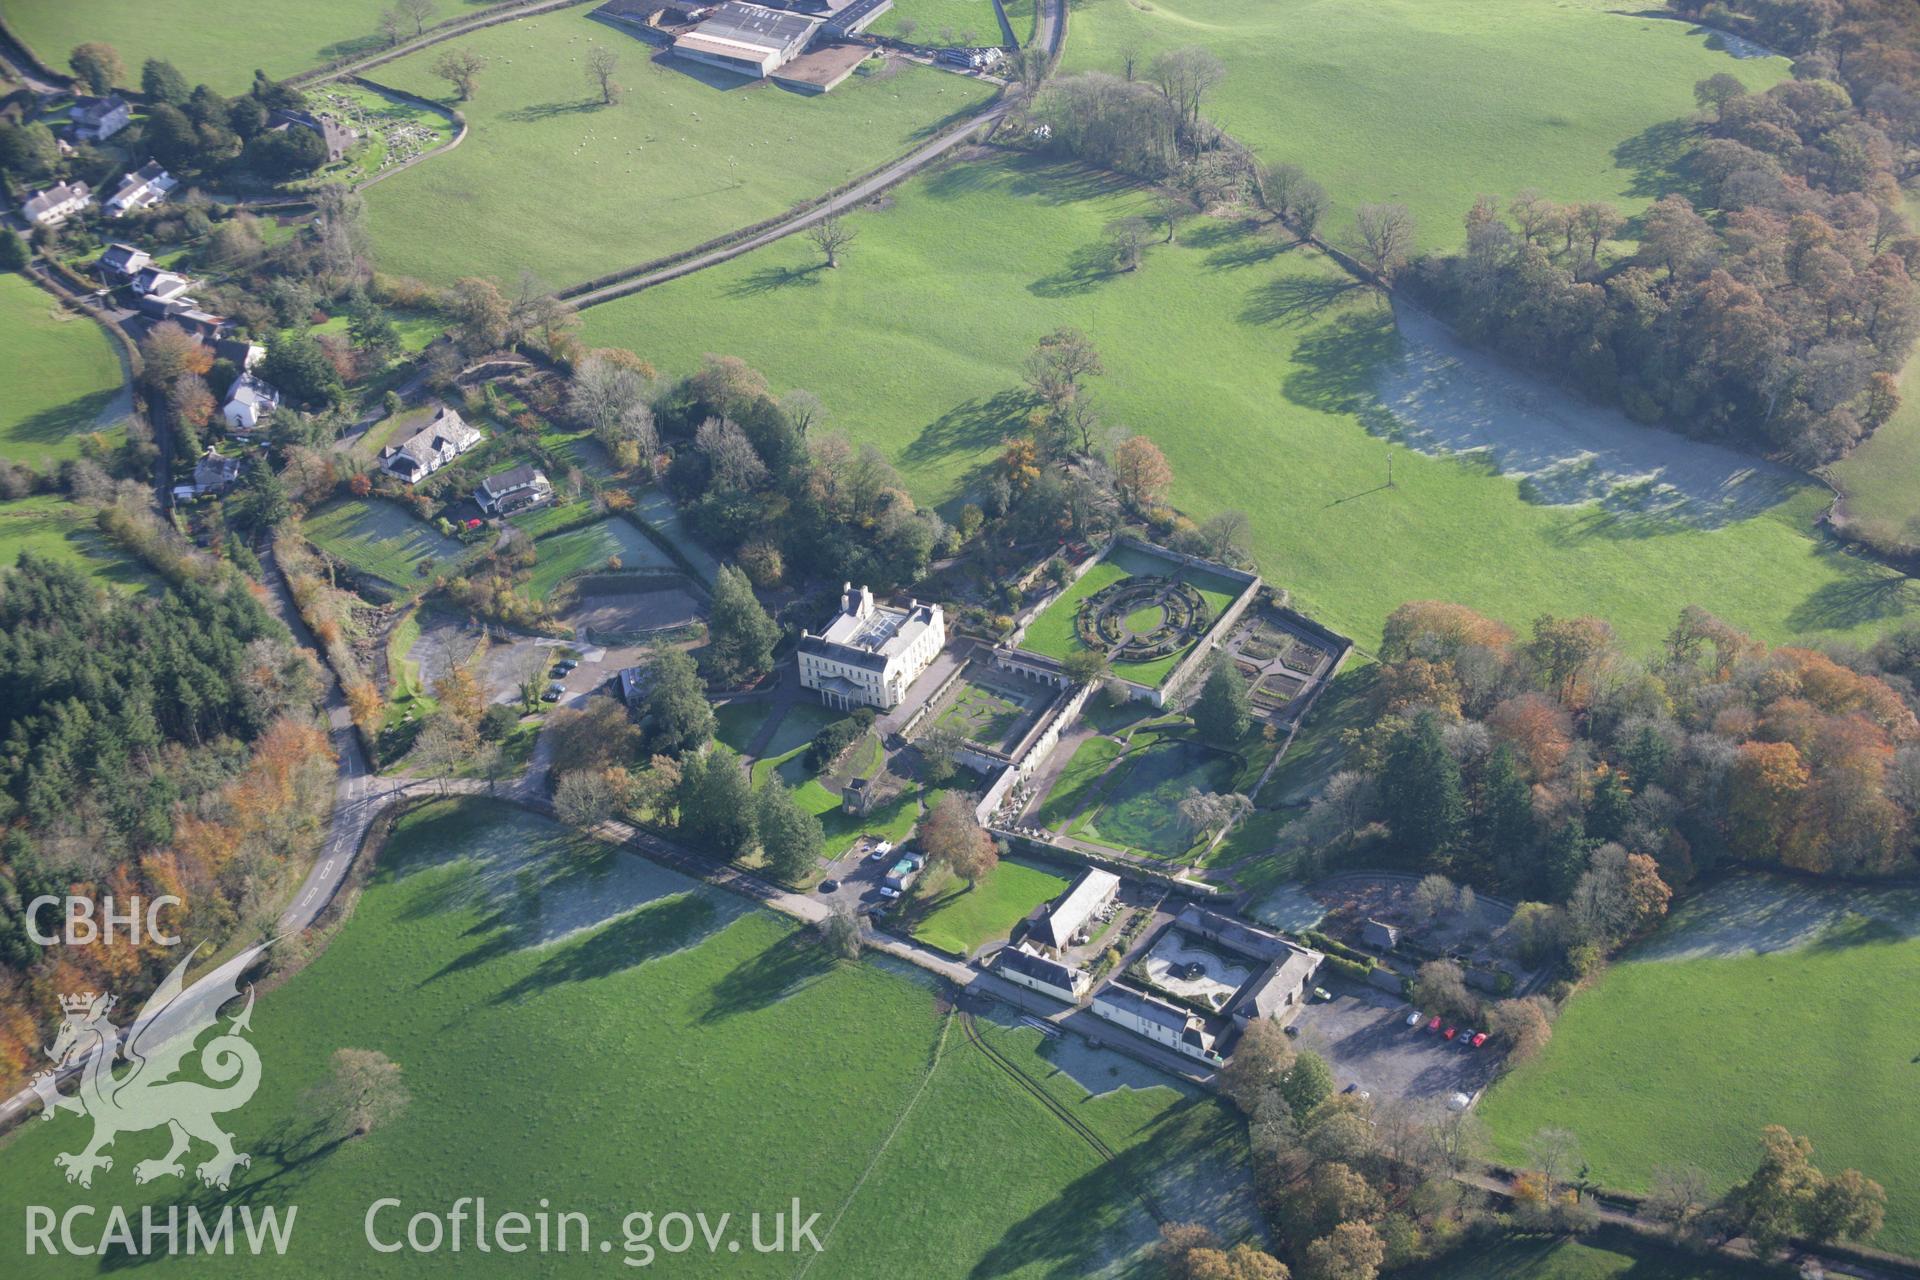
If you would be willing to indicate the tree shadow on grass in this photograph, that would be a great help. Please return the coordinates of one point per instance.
(786, 968)
(1659, 160)
(52, 425)
(655, 930)
(979, 423)
(773, 279)
(1336, 364)
(352, 48)
(1068, 184)
(1857, 599)
(548, 110)
(1096, 1220)
(1088, 267)
(280, 1167)
(1296, 299)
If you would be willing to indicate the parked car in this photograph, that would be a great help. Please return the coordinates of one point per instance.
(552, 694)
(1459, 1102)
(879, 854)
(564, 667)
(1414, 1018)
(828, 886)
(1451, 1032)
(1292, 1029)
(1434, 1023)
(1467, 1035)
(1321, 993)
(889, 892)
(1479, 1039)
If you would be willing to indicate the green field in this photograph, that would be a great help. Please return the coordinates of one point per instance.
(63, 379)
(417, 330)
(48, 525)
(551, 180)
(1255, 369)
(1053, 633)
(1763, 1002)
(588, 550)
(933, 19)
(1609, 1256)
(1430, 103)
(380, 539)
(1881, 478)
(218, 42)
(707, 1047)
(965, 918)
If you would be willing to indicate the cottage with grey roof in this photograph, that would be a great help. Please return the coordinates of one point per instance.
(97, 119)
(51, 206)
(142, 189)
(524, 488)
(1027, 967)
(1157, 1020)
(445, 437)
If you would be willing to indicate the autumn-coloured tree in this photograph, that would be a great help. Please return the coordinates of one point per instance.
(1142, 472)
(1537, 728)
(1768, 785)
(460, 697)
(1438, 628)
(168, 352)
(950, 834)
(365, 705)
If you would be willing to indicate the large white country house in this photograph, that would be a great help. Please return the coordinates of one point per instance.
(870, 654)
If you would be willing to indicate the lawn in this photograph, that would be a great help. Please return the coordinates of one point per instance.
(50, 526)
(590, 550)
(392, 129)
(1053, 633)
(1073, 787)
(967, 917)
(1139, 805)
(707, 1046)
(1256, 370)
(656, 510)
(1430, 103)
(941, 22)
(550, 180)
(417, 329)
(1606, 1256)
(381, 540)
(219, 42)
(1764, 1002)
(62, 377)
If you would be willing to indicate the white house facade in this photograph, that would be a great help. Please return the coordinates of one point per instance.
(54, 205)
(1029, 968)
(445, 437)
(871, 653)
(249, 403)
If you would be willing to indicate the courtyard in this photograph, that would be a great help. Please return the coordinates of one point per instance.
(1192, 970)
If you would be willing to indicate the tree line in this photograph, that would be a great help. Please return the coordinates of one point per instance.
(164, 743)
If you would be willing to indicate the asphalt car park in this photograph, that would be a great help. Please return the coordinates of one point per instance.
(1363, 1034)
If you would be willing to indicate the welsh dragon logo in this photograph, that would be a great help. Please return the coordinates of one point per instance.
(148, 1096)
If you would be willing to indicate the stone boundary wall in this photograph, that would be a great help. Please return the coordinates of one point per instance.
(1036, 750)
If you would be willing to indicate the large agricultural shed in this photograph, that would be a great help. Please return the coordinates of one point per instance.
(747, 38)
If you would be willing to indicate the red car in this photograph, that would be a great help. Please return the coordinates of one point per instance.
(1435, 1024)
(473, 523)
(1451, 1032)
(1479, 1039)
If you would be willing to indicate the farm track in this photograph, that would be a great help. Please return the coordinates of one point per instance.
(1053, 1104)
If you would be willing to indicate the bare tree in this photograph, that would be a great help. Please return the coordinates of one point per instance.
(362, 1091)
(1170, 206)
(1127, 240)
(1553, 1152)
(1130, 60)
(735, 464)
(905, 29)
(830, 235)
(393, 25)
(417, 12)
(840, 933)
(1184, 76)
(804, 410)
(1679, 1195)
(460, 68)
(1382, 237)
(601, 64)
